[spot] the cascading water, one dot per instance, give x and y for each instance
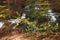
(53, 17)
(23, 16)
(17, 21)
(13, 21)
(1, 24)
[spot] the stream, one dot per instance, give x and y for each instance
(13, 21)
(19, 19)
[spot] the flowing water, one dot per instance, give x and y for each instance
(1, 24)
(13, 21)
(51, 15)
(18, 20)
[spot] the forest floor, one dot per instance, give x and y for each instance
(15, 35)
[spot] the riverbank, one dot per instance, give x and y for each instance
(16, 35)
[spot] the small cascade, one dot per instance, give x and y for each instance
(13, 21)
(23, 16)
(17, 20)
(52, 15)
(53, 19)
(1, 24)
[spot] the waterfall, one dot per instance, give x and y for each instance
(23, 16)
(1, 24)
(51, 14)
(53, 19)
(17, 20)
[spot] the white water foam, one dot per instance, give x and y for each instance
(1, 24)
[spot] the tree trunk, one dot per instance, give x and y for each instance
(14, 5)
(55, 5)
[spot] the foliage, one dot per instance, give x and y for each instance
(38, 15)
(33, 27)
